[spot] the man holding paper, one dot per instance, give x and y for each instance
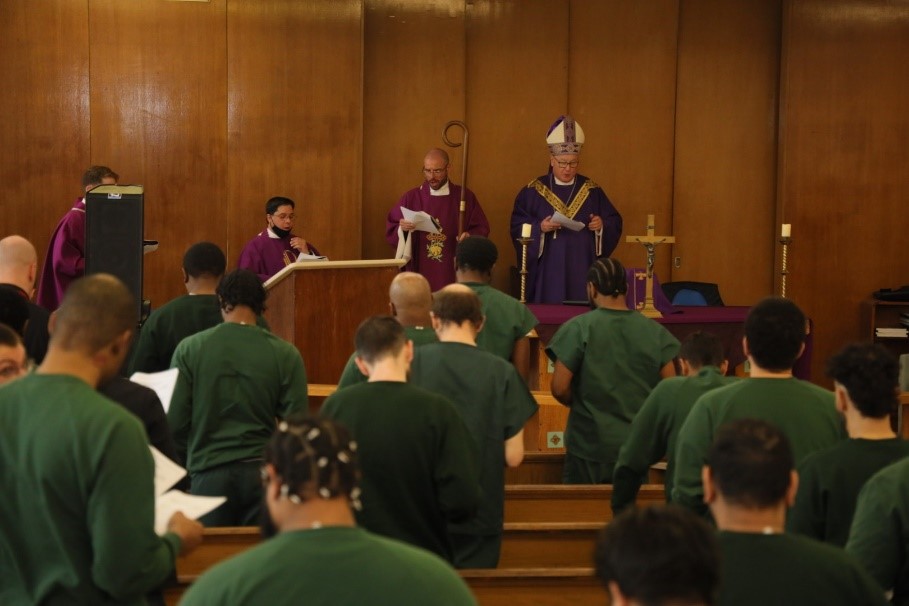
(275, 246)
(570, 221)
(423, 225)
(77, 517)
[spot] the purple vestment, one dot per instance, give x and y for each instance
(557, 262)
(65, 259)
(434, 254)
(266, 255)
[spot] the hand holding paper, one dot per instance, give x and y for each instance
(167, 503)
(564, 221)
(421, 220)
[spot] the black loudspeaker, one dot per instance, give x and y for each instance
(114, 222)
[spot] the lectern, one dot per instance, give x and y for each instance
(317, 306)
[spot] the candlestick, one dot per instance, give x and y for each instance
(524, 241)
(786, 231)
(784, 271)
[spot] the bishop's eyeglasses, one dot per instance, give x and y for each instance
(564, 164)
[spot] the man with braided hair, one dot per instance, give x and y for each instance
(606, 362)
(419, 469)
(319, 556)
(77, 517)
(235, 379)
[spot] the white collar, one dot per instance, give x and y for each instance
(558, 182)
(272, 234)
(442, 191)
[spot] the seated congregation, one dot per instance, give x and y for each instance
(778, 491)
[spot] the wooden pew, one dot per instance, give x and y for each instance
(569, 503)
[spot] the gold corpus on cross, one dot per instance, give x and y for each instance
(650, 241)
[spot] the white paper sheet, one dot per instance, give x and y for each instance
(163, 383)
(564, 221)
(422, 221)
(167, 473)
(191, 506)
(309, 257)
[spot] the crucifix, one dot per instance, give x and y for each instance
(650, 241)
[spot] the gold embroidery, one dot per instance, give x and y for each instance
(435, 244)
(557, 204)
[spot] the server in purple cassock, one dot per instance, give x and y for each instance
(275, 247)
(65, 258)
(557, 256)
(433, 255)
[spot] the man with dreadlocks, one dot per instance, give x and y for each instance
(319, 556)
(606, 362)
(235, 379)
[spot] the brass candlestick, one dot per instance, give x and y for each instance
(524, 242)
(783, 270)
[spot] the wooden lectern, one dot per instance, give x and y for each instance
(317, 306)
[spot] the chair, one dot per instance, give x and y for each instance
(693, 293)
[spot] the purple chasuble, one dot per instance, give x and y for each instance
(434, 254)
(65, 258)
(560, 272)
(265, 255)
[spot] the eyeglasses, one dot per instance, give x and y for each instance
(563, 164)
(434, 171)
(285, 217)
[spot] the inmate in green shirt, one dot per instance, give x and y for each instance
(507, 320)
(77, 513)
(351, 375)
(417, 461)
(615, 357)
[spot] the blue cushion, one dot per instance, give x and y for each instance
(686, 296)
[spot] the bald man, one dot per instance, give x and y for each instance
(432, 255)
(18, 268)
(77, 523)
(410, 302)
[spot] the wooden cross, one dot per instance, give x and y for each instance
(649, 242)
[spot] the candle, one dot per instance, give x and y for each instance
(786, 231)
(525, 230)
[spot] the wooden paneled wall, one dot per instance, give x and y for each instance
(724, 118)
(843, 155)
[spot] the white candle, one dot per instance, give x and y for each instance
(525, 230)
(786, 231)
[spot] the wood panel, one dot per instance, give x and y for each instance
(517, 84)
(622, 79)
(725, 146)
(158, 114)
(44, 133)
(844, 127)
(413, 85)
(294, 119)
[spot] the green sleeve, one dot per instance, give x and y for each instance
(527, 322)
(180, 412)
(568, 345)
(519, 402)
(808, 515)
(669, 346)
(457, 476)
(129, 559)
(876, 536)
(295, 393)
(694, 441)
(646, 444)
(351, 375)
(145, 358)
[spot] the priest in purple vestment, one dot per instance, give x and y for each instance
(433, 255)
(558, 257)
(275, 247)
(65, 259)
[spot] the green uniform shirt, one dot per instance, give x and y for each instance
(494, 403)
(879, 537)
(351, 375)
(234, 380)
(170, 324)
(829, 484)
(655, 430)
(802, 410)
(615, 357)
(331, 566)
(507, 320)
(781, 569)
(77, 513)
(417, 461)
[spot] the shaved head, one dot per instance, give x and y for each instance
(95, 310)
(410, 294)
(16, 251)
(437, 153)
